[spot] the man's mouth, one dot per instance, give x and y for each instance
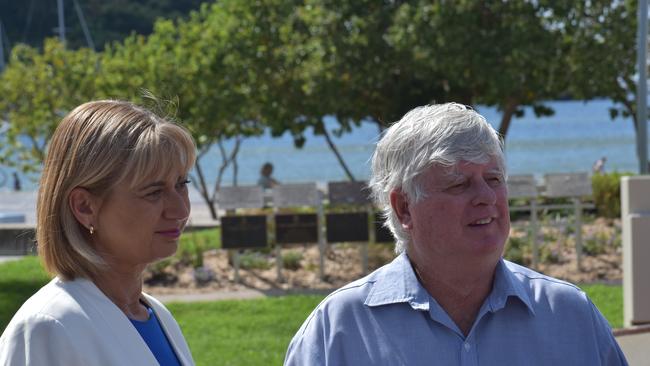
(483, 221)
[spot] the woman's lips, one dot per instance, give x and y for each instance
(174, 233)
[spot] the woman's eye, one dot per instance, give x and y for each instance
(154, 194)
(183, 184)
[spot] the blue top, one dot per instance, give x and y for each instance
(388, 318)
(152, 333)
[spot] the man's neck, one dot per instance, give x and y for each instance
(459, 289)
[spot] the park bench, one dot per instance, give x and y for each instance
(17, 239)
(242, 230)
(293, 225)
(295, 214)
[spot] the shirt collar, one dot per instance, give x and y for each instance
(506, 285)
(397, 283)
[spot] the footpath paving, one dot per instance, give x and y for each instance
(634, 342)
(9, 258)
(25, 203)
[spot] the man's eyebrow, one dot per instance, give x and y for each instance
(451, 175)
(495, 171)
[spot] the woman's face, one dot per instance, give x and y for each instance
(137, 226)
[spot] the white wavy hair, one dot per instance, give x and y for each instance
(442, 134)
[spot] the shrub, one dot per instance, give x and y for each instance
(291, 260)
(607, 193)
(517, 250)
(549, 253)
(253, 260)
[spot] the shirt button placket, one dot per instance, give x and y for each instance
(468, 354)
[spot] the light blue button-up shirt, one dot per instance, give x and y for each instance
(388, 318)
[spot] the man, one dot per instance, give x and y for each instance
(449, 298)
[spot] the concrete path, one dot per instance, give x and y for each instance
(237, 295)
(9, 258)
(25, 203)
(635, 343)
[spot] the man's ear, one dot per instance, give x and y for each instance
(400, 204)
(84, 206)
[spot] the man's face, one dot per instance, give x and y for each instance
(463, 216)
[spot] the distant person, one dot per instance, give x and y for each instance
(266, 180)
(449, 298)
(17, 185)
(112, 199)
(599, 166)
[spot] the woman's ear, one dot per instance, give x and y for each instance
(400, 204)
(84, 206)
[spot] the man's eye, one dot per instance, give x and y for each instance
(495, 181)
(457, 186)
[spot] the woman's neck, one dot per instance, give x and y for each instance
(124, 289)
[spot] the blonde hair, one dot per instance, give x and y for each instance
(96, 146)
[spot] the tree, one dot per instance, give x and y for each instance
(189, 62)
(333, 58)
(37, 90)
(501, 53)
(600, 38)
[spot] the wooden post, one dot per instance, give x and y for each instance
(371, 239)
(578, 231)
(235, 262)
(270, 232)
(278, 262)
(534, 227)
(322, 248)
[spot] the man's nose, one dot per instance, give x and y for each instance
(484, 194)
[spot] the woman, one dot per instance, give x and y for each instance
(112, 199)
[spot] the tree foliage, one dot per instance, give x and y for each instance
(37, 90)
(235, 67)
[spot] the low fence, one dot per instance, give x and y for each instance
(301, 214)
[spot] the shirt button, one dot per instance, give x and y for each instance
(467, 346)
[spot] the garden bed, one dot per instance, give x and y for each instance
(601, 262)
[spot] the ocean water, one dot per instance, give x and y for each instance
(570, 141)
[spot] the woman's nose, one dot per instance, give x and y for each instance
(177, 206)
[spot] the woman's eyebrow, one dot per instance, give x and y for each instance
(154, 184)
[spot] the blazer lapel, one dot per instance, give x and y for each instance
(170, 332)
(115, 326)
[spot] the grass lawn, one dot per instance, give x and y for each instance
(609, 300)
(244, 332)
(18, 281)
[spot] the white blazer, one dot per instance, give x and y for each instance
(74, 323)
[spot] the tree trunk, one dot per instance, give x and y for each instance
(332, 147)
(226, 160)
(508, 111)
(203, 190)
